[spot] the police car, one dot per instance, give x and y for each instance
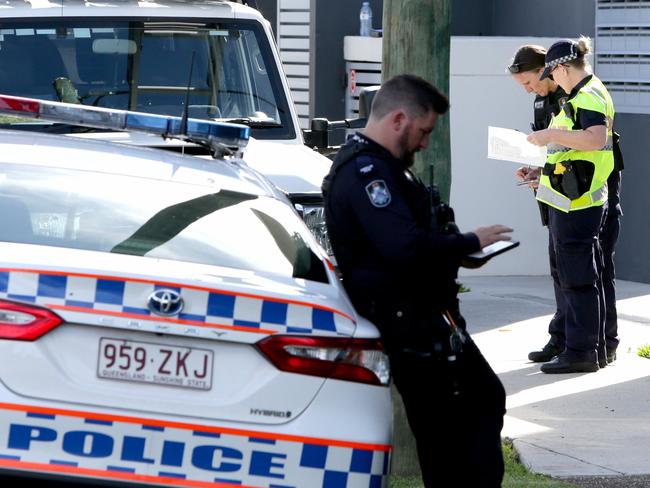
(147, 56)
(170, 320)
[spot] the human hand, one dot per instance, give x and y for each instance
(528, 174)
(540, 137)
(491, 234)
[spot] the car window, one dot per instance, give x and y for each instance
(148, 66)
(160, 219)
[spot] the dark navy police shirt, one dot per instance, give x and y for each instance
(378, 216)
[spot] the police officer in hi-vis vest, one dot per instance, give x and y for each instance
(526, 68)
(573, 184)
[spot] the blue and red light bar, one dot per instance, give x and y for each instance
(214, 134)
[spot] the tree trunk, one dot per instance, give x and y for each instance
(416, 41)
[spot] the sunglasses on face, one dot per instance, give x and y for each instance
(522, 67)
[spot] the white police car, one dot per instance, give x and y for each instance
(169, 320)
(145, 56)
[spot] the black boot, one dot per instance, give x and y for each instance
(548, 352)
(562, 364)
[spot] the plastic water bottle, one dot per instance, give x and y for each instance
(365, 19)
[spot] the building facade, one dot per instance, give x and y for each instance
(311, 32)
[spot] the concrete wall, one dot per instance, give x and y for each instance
(483, 191)
(269, 9)
(633, 251)
(550, 18)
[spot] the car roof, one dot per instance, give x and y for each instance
(126, 8)
(64, 152)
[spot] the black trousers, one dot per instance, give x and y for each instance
(557, 325)
(608, 236)
(578, 265)
(455, 410)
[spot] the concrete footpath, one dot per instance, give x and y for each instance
(592, 426)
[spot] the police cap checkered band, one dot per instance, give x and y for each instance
(561, 60)
(559, 53)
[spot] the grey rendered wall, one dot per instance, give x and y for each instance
(269, 9)
(528, 18)
(633, 252)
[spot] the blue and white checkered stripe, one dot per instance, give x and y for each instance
(201, 305)
(561, 60)
(185, 453)
(336, 467)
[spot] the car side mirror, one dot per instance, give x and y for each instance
(366, 97)
(318, 134)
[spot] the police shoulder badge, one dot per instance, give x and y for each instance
(378, 193)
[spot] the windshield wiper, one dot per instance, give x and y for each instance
(253, 122)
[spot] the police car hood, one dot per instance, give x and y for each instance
(290, 165)
(107, 297)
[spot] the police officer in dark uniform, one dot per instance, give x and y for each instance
(526, 68)
(399, 259)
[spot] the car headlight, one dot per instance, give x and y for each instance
(314, 217)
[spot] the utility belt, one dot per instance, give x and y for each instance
(570, 178)
(448, 352)
(413, 326)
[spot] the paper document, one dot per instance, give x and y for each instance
(511, 145)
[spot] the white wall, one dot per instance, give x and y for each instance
(483, 191)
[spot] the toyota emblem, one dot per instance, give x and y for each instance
(165, 302)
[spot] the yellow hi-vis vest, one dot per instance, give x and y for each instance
(592, 96)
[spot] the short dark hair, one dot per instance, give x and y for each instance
(411, 93)
(528, 58)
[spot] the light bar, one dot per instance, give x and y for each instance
(214, 134)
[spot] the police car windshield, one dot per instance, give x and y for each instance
(160, 219)
(144, 66)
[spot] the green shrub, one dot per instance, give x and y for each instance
(644, 351)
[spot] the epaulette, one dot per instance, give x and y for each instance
(365, 165)
(352, 147)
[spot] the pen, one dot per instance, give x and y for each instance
(526, 182)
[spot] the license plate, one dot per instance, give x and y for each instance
(160, 364)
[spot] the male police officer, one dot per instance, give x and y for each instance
(526, 69)
(399, 262)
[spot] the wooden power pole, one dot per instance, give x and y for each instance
(416, 40)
